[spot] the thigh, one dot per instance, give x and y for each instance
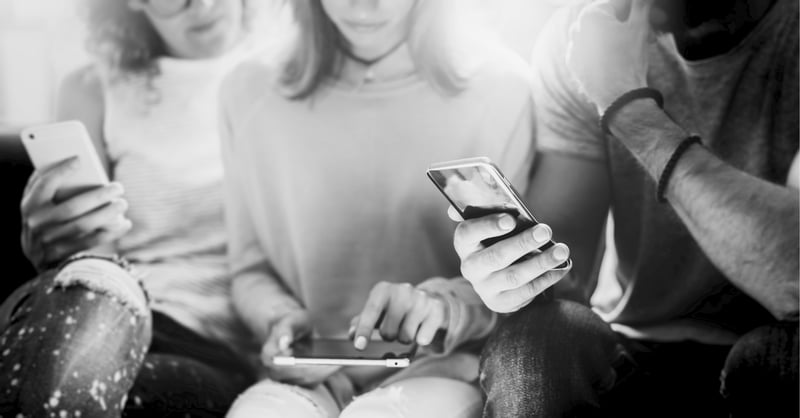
(434, 397)
(73, 341)
(184, 373)
(273, 399)
(761, 372)
(170, 385)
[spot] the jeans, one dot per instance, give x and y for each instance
(83, 342)
(560, 359)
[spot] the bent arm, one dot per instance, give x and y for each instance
(747, 226)
(259, 297)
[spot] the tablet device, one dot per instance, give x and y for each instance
(341, 352)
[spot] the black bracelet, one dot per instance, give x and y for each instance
(663, 180)
(640, 93)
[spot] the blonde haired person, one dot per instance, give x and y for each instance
(332, 223)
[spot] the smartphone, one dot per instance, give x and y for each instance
(341, 352)
(55, 142)
(476, 187)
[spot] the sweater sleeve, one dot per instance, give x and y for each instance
(259, 296)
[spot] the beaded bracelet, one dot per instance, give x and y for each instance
(616, 105)
(663, 179)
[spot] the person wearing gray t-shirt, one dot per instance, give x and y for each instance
(682, 118)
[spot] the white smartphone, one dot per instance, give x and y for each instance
(341, 352)
(55, 142)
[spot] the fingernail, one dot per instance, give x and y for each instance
(423, 341)
(560, 252)
(361, 342)
(284, 342)
(542, 233)
(506, 222)
(117, 188)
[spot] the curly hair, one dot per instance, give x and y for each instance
(125, 40)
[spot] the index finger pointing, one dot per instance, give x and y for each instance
(370, 315)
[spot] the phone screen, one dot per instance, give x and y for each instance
(478, 189)
(344, 349)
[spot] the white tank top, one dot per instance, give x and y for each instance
(163, 144)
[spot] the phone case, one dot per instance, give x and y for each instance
(49, 144)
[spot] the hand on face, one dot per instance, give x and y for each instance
(608, 57)
(293, 327)
(504, 287)
(400, 312)
(54, 231)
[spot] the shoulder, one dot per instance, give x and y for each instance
(503, 75)
(82, 87)
(250, 80)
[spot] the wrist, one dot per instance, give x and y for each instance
(648, 133)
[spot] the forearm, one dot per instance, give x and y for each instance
(748, 227)
(260, 302)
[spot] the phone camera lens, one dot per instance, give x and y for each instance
(31, 136)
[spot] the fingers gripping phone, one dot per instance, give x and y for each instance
(341, 352)
(476, 187)
(52, 143)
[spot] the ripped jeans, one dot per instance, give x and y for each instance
(560, 359)
(83, 342)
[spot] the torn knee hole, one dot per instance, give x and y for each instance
(100, 277)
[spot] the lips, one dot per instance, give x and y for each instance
(363, 27)
(206, 26)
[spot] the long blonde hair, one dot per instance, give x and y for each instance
(442, 46)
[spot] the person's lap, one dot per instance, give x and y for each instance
(441, 387)
(561, 358)
(89, 342)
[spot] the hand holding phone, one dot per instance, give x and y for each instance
(506, 254)
(68, 205)
(278, 351)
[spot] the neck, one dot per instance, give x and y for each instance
(708, 28)
(394, 64)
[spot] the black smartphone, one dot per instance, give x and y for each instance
(476, 187)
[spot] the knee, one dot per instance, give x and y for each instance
(419, 397)
(762, 369)
(100, 276)
(274, 399)
(548, 334)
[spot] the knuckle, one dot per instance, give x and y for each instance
(513, 278)
(468, 269)
(493, 256)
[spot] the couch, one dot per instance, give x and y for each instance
(15, 168)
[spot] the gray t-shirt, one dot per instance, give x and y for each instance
(745, 106)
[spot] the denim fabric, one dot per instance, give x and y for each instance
(560, 359)
(87, 348)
